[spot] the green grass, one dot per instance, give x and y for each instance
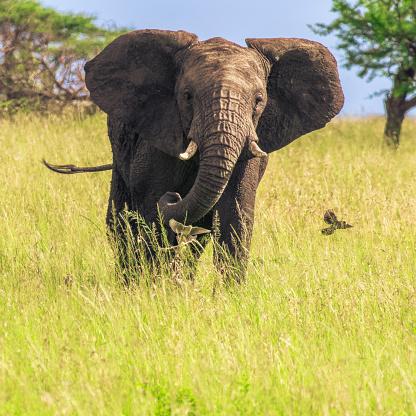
(324, 325)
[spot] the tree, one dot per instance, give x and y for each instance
(379, 36)
(42, 53)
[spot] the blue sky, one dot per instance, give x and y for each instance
(235, 20)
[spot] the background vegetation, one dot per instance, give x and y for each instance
(324, 325)
(379, 37)
(42, 55)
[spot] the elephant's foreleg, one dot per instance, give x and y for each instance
(235, 212)
(118, 224)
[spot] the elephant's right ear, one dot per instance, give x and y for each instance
(133, 80)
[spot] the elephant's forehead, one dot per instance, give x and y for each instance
(218, 57)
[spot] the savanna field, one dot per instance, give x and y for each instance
(323, 325)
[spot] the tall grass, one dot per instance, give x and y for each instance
(324, 324)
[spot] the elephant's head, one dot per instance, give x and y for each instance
(226, 101)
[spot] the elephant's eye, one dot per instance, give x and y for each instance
(257, 104)
(258, 100)
(187, 96)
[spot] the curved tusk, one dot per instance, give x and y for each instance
(255, 150)
(189, 152)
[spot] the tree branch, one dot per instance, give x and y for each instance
(60, 86)
(408, 104)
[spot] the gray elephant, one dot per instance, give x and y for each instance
(191, 123)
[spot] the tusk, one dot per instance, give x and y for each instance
(189, 152)
(255, 150)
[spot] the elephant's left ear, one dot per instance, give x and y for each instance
(304, 91)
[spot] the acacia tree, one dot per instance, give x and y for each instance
(42, 53)
(379, 36)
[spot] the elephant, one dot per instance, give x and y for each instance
(191, 123)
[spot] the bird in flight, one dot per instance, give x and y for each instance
(331, 219)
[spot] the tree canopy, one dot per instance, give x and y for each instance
(379, 36)
(42, 53)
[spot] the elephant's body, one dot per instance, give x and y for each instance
(142, 175)
(191, 122)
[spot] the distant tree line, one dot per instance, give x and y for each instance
(379, 36)
(42, 54)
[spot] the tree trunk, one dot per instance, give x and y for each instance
(395, 115)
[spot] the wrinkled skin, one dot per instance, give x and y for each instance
(162, 90)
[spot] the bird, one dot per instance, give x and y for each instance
(331, 219)
(186, 233)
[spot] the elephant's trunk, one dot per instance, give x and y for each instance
(219, 147)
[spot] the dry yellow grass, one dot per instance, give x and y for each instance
(324, 325)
